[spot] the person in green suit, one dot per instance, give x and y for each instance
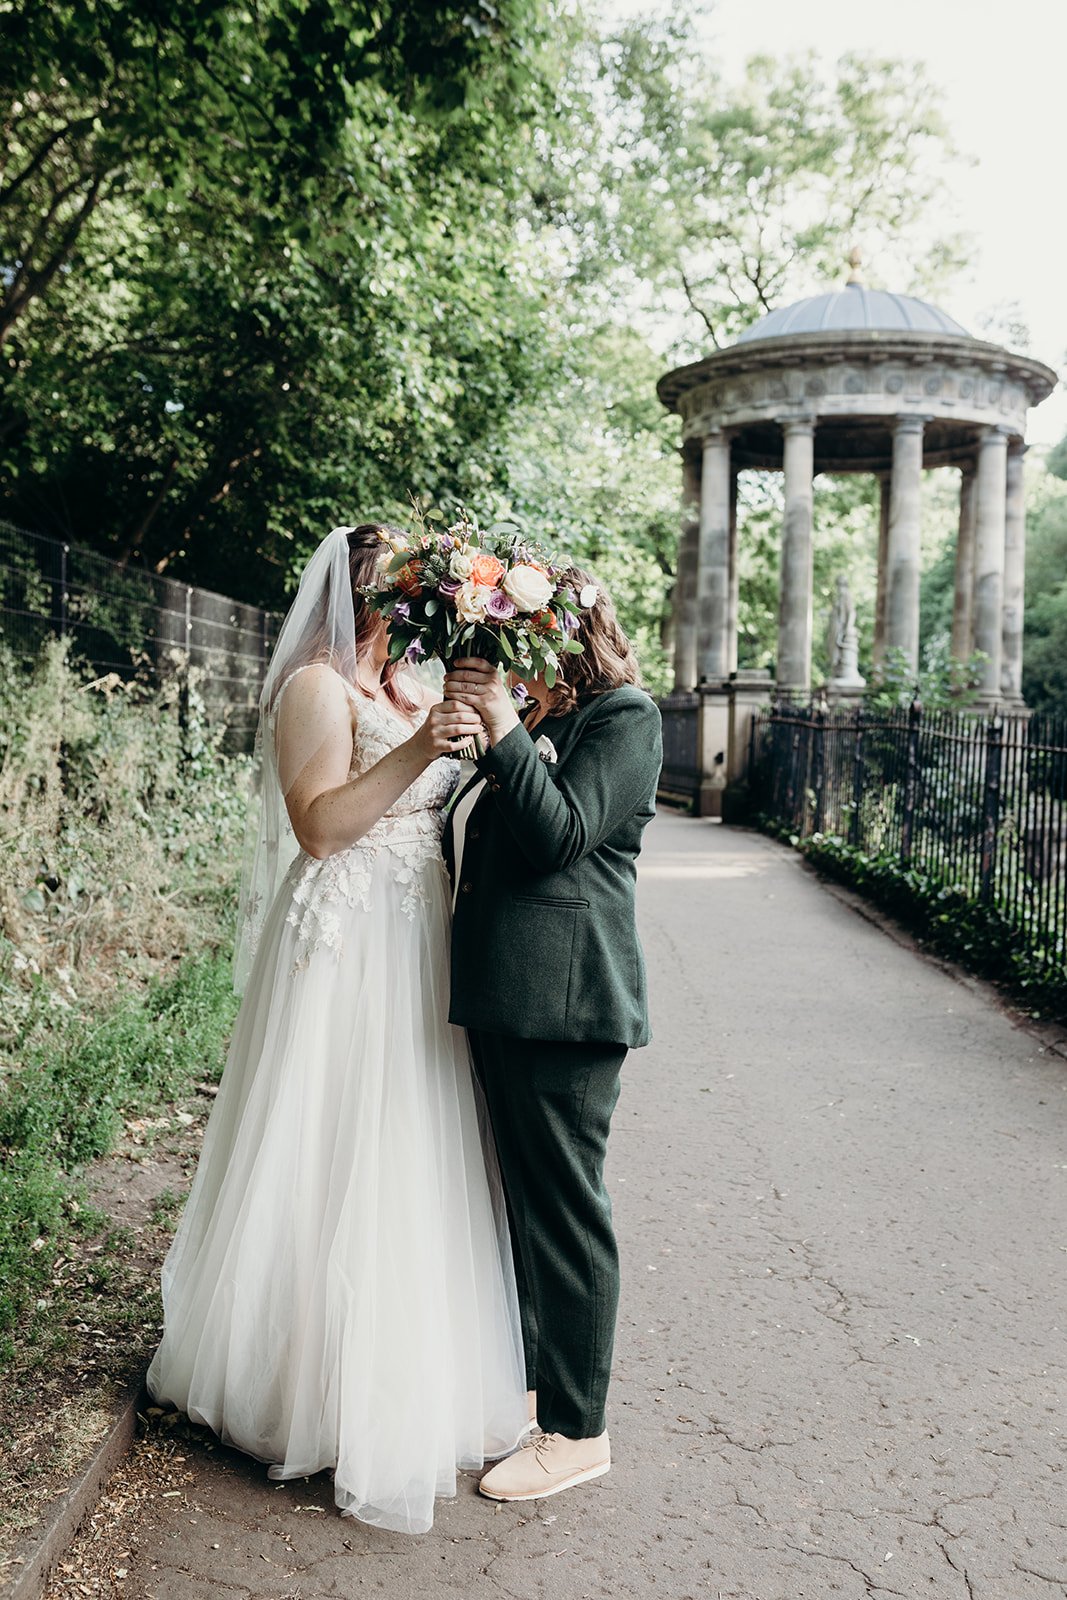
(549, 980)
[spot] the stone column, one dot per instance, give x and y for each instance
(685, 581)
(713, 578)
(1014, 574)
(795, 598)
(878, 651)
(990, 517)
(903, 545)
(963, 597)
(734, 601)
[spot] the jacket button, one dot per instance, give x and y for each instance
(472, 833)
(466, 887)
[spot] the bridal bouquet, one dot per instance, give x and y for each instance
(464, 591)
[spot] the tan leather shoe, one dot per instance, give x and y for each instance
(547, 1464)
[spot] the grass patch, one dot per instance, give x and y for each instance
(66, 1104)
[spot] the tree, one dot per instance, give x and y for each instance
(301, 306)
(746, 197)
(1045, 612)
(338, 254)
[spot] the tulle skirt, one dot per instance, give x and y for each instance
(340, 1292)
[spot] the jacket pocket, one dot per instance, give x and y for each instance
(550, 900)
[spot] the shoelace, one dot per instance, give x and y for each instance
(541, 1443)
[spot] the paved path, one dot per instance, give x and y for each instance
(839, 1183)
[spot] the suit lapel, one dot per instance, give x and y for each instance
(448, 837)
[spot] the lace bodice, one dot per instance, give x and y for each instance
(380, 729)
(407, 838)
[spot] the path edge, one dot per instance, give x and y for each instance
(53, 1537)
(1052, 1036)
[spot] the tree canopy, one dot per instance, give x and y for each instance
(264, 270)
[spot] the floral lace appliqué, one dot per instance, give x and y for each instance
(407, 837)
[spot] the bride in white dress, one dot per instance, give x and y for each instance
(340, 1292)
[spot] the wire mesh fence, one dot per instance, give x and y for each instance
(976, 804)
(125, 620)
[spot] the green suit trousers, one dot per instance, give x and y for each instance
(550, 1103)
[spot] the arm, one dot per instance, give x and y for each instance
(611, 770)
(328, 810)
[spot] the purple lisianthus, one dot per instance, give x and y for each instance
(520, 694)
(448, 587)
(401, 611)
(499, 606)
(414, 652)
(569, 621)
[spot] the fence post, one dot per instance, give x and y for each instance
(991, 804)
(186, 668)
(857, 782)
(791, 779)
(818, 767)
(911, 780)
(60, 593)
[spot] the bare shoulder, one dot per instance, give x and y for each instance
(311, 690)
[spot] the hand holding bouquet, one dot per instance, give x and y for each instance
(464, 591)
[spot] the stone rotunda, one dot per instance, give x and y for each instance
(855, 380)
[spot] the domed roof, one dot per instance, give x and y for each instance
(853, 308)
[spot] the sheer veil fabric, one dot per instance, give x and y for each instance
(340, 1293)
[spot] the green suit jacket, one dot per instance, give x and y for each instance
(544, 940)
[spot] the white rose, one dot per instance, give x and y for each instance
(529, 588)
(470, 601)
(461, 564)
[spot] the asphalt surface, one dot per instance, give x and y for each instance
(839, 1180)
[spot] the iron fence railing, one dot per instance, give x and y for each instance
(977, 804)
(680, 774)
(125, 620)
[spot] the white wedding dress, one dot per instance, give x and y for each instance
(340, 1292)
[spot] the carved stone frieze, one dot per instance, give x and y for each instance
(877, 388)
(871, 378)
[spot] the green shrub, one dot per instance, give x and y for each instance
(77, 1081)
(121, 825)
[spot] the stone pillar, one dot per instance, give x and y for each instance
(795, 598)
(878, 651)
(713, 578)
(903, 544)
(735, 597)
(963, 598)
(991, 493)
(685, 581)
(1014, 574)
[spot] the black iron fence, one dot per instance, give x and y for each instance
(680, 776)
(125, 620)
(975, 804)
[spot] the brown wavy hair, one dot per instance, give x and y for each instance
(364, 552)
(608, 659)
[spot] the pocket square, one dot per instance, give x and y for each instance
(546, 749)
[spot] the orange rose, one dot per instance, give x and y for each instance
(407, 578)
(486, 569)
(546, 619)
